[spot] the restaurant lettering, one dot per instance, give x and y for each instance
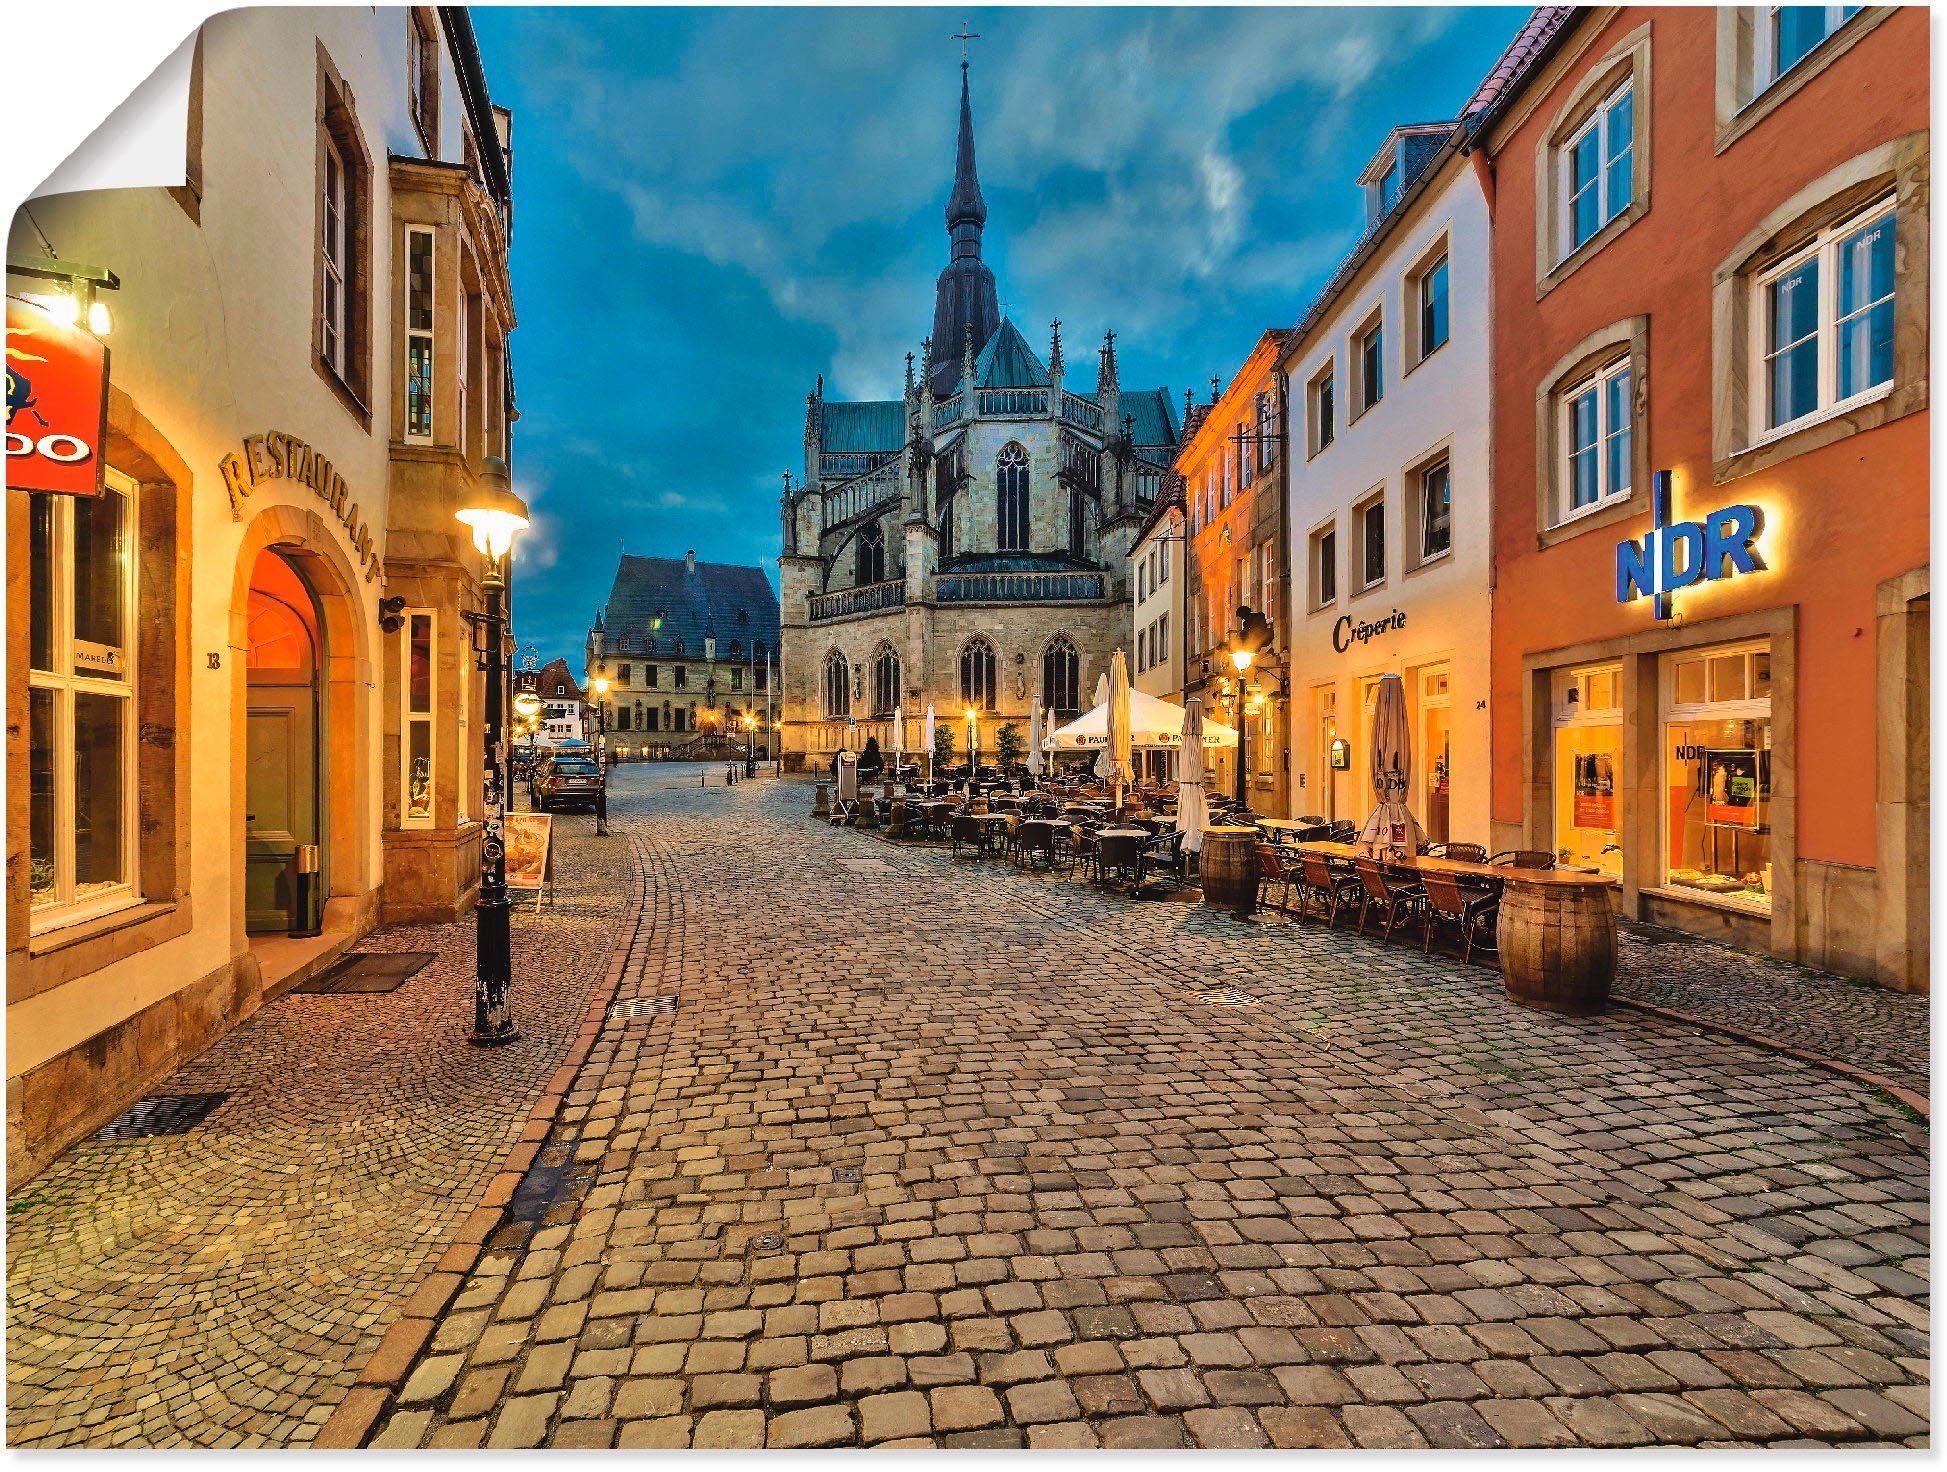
(278, 456)
(1348, 631)
(57, 404)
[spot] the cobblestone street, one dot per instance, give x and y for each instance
(877, 1146)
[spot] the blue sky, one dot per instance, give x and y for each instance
(713, 206)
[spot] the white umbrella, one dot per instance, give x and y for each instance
(1155, 724)
(1102, 704)
(1192, 807)
(898, 739)
(1392, 825)
(1034, 738)
(1047, 739)
(1119, 746)
(929, 722)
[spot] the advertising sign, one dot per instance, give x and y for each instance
(529, 849)
(1731, 787)
(57, 404)
(1595, 792)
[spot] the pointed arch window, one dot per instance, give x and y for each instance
(885, 681)
(871, 557)
(1061, 679)
(977, 685)
(946, 532)
(1011, 491)
(1077, 527)
(838, 687)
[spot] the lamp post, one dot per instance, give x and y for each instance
(1253, 634)
(495, 514)
(599, 685)
(750, 743)
(973, 749)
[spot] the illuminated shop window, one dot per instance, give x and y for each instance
(1717, 773)
(1588, 768)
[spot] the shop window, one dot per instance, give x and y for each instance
(1588, 768)
(1717, 774)
(1826, 318)
(419, 333)
(416, 721)
(1436, 752)
(81, 707)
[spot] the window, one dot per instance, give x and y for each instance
(1588, 768)
(341, 329)
(1163, 563)
(622, 674)
(736, 677)
(1325, 567)
(1230, 476)
(1431, 288)
(1161, 642)
(1826, 315)
(1011, 489)
(1370, 521)
(1369, 364)
(946, 532)
(871, 557)
(682, 672)
(1436, 511)
(1597, 162)
(1597, 436)
(1389, 184)
(416, 721)
(977, 684)
(622, 718)
(422, 76)
(419, 333)
(463, 364)
(650, 674)
(1320, 394)
(1061, 677)
(885, 681)
(1787, 34)
(1142, 650)
(1717, 773)
(82, 796)
(652, 713)
(335, 258)
(1142, 581)
(1266, 430)
(838, 687)
(1077, 527)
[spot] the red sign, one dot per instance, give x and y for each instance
(57, 404)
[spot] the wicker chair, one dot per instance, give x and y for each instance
(1399, 898)
(1274, 868)
(1328, 885)
(1525, 858)
(971, 831)
(1472, 913)
(1034, 837)
(1466, 853)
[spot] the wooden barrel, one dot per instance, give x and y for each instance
(1230, 870)
(1558, 946)
(821, 806)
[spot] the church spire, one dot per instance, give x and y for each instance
(966, 302)
(966, 211)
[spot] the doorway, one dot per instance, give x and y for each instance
(283, 762)
(1436, 752)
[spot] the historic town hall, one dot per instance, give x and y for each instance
(966, 546)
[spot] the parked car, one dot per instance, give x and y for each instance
(565, 782)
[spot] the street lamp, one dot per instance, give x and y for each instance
(750, 743)
(973, 749)
(1253, 633)
(600, 686)
(495, 515)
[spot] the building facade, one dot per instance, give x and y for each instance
(562, 714)
(1233, 468)
(1711, 471)
(1157, 581)
(240, 731)
(966, 546)
(689, 651)
(1388, 493)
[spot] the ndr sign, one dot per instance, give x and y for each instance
(1680, 554)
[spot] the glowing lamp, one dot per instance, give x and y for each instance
(1242, 659)
(528, 704)
(495, 513)
(98, 319)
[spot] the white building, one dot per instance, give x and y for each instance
(563, 716)
(1156, 582)
(1389, 493)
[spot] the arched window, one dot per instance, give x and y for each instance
(736, 649)
(871, 566)
(885, 681)
(1077, 523)
(1011, 489)
(946, 532)
(977, 685)
(838, 687)
(1061, 677)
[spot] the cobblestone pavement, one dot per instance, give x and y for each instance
(223, 1287)
(1853, 1021)
(898, 1150)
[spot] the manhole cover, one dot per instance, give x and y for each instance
(368, 971)
(641, 1007)
(768, 1241)
(847, 1173)
(1228, 996)
(165, 1114)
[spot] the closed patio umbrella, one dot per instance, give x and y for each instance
(898, 740)
(1392, 825)
(1120, 746)
(1102, 757)
(1034, 738)
(1192, 807)
(928, 734)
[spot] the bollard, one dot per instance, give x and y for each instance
(306, 862)
(822, 806)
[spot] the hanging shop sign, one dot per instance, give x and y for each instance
(1341, 754)
(57, 403)
(278, 456)
(1679, 554)
(1349, 631)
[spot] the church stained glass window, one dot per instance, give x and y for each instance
(1011, 488)
(1061, 678)
(838, 687)
(885, 681)
(977, 674)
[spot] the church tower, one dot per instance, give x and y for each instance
(965, 302)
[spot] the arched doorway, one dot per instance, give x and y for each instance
(284, 757)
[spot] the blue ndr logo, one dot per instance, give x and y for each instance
(1678, 555)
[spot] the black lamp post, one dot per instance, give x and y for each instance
(495, 515)
(1253, 633)
(598, 687)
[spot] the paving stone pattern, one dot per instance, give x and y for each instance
(1835, 1016)
(935, 1152)
(223, 1287)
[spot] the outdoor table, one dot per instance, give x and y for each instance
(1230, 869)
(1290, 830)
(1556, 933)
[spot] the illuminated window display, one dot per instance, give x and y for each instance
(1588, 769)
(1717, 773)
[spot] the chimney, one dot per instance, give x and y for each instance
(689, 562)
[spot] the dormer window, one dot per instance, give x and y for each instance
(1389, 185)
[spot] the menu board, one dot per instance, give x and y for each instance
(529, 849)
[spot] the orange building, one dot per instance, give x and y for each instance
(1711, 469)
(1233, 485)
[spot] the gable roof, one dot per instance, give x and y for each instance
(870, 426)
(553, 673)
(657, 601)
(1536, 35)
(1171, 498)
(1008, 362)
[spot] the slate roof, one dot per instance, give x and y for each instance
(555, 672)
(1008, 361)
(661, 599)
(1172, 497)
(869, 427)
(1154, 413)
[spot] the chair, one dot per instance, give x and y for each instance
(970, 830)
(1164, 852)
(1525, 858)
(1344, 831)
(1118, 854)
(1472, 913)
(1466, 853)
(1314, 820)
(1398, 897)
(1328, 885)
(1272, 869)
(1082, 848)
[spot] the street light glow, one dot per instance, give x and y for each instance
(495, 513)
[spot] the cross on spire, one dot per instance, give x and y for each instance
(963, 36)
